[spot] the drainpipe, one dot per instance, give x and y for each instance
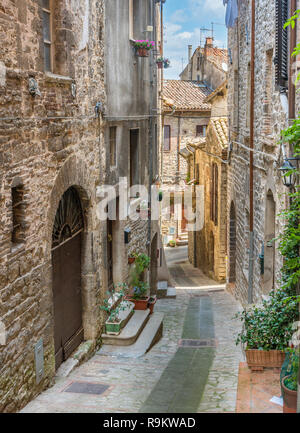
(252, 89)
(177, 179)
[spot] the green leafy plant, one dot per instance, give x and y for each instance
(291, 382)
(270, 325)
(172, 243)
(113, 312)
(140, 288)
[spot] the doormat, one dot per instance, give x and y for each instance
(196, 344)
(87, 388)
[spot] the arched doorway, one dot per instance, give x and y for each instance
(269, 247)
(232, 244)
(66, 275)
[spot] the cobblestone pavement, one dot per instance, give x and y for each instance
(168, 378)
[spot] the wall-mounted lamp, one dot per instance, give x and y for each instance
(287, 173)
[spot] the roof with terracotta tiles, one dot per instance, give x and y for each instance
(185, 95)
(220, 126)
(215, 55)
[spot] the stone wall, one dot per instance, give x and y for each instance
(270, 118)
(49, 142)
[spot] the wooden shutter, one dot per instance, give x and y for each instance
(216, 194)
(212, 194)
(167, 138)
(282, 51)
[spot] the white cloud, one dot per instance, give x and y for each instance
(179, 16)
(215, 6)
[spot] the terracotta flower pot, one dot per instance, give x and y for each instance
(159, 65)
(289, 398)
(260, 359)
(139, 304)
(151, 303)
(143, 52)
(131, 260)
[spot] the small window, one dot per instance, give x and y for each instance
(113, 145)
(200, 130)
(47, 33)
(17, 196)
(167, 138)
(134, 157)
(198, 63)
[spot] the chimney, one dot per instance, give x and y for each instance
(208, 46)
(209, 42)
(190, 47)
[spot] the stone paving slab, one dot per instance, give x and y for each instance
(132, 381)
(255, 389)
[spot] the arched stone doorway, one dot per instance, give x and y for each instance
(232, 244)
(66, 275)
(269, 247)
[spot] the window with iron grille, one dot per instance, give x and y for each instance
(282, 51)
(47, 33)
(17, 197)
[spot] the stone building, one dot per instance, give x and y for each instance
(63, 109)
(184, 114)
(207, 165)
(272, 87)
(207, 64)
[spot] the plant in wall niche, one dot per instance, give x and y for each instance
(172, 243)
(138, 286)
(113, 306)
(143, 47)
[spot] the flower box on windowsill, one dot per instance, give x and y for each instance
(142, 52)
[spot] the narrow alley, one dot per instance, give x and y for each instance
(173, 377)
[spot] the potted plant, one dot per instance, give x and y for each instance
(268, 329)
(166, 63)
(131, 260)
(143, 47)
(138, 285)
(289, 384)
(160, 62)
(113, 307)
(172, 243)
(151, 303)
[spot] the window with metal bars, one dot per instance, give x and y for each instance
(17, 197)
(47, 33)
(282, 50)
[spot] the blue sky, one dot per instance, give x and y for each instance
(182, 22)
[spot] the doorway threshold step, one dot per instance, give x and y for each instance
(150, 335)
(130, 332)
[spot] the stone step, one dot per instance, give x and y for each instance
(125, 315)
(181, 242)
(162, 285)
(130, 332)
(150, 335)
(169, 293)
